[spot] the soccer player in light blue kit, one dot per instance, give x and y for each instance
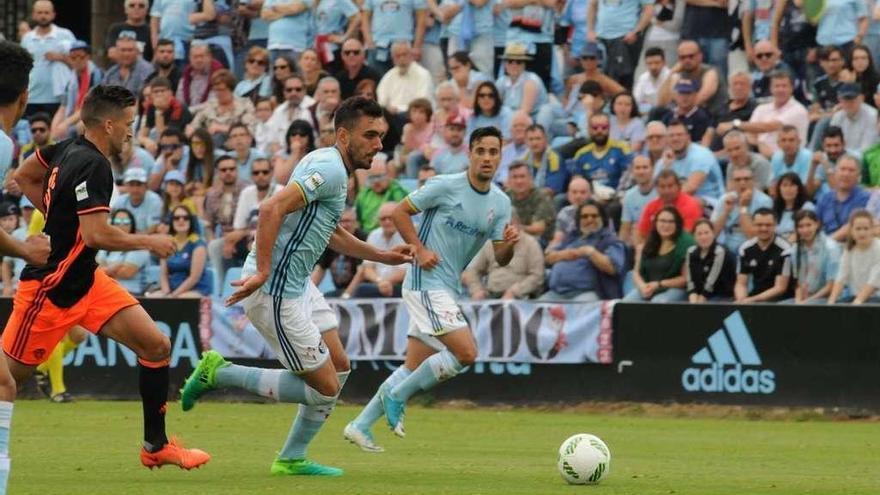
(294, 227)
(460, 213)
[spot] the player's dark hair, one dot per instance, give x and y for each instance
(354, 108)
(655, 51)
(483, 132)
(16, 63)
(105, 102)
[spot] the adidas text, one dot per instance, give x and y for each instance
(731, 379)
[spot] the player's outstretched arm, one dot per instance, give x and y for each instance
(30, 175)
(97, 233)
(344, 242)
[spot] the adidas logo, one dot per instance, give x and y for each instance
(729, 363)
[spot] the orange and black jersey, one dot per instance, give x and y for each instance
(78, 181)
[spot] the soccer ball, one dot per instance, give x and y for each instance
(584, 459)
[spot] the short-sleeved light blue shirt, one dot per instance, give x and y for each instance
(457, 221)
(147, 214)
(699, 159)
(483, 19)
(48, 79)
(839, 23)
(323, 179)
(531, 15)
(331, 16)
(393, 20)
(290, 32)
(801, 165)
(615, 18)
(634, 203)
(174, 18)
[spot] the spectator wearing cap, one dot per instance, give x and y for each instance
(39, 124)
(712, 94)
(533, 206)
(856, 119)
(603, 161)
(768, 118)
(685, 109)
(196, 81)
(135, 22)
(694, 164)
(85, 75)
(522, 90)
(591, 71)
(522, 278)
(732, 217)
(163, 112)
(378, 188)
(170, 20)
(130, 71)
(549, 171)
(174, 194)
(49, 44)
(221, 202)
(835, 206)
(649, 82)
(452, 156)
(405, 82)
(532, 25)
(127, 267)
(219, 113)
(620, 27)
(145, 205)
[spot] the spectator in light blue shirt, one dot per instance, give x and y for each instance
(290, 23)
(843, 23)
(48, 44)
(471, 30)
(146, 206)
(171, 19)
(387, 21)
(532, 25)
(790, 157)
(620, 25)
(337, 20)
(452, 157)
(732, 217)
(835, 206)
(694, 164)
(127, 267)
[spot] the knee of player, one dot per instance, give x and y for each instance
(158, 350)
(467, 356)
(329, 389)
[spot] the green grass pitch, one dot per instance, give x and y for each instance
(91, 448)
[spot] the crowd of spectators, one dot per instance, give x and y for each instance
(654, 151)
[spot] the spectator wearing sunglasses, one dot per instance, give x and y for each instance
(244, 224)
(256, 82)
(163, 112)
(295, 107)
(354, 68)
(145, 205)
(184, 273)
(221, 202)
(135, 22)
(127, 267)
(40, 138)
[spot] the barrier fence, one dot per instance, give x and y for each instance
(726, 354)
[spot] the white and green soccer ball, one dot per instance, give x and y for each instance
(584, 459)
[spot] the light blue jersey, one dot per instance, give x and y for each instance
(483, 19)
(699, 159)
(290, 32)
(331, 16)
(531, 24)
(634, 202)
(7, 152)
(305, 233)
(48, 80)
(393, 20)
(174, 18)
(457, 222)
(615, 18)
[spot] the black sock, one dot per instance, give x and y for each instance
(153, 384)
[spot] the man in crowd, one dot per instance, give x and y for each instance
(49, 45)
(195, 81)
(732, 218)
(522, 278)
(514, 149)
(764, 263)
(40, 125)
(769, 117)
(131, 71)
(165, 65)
(578, 191)
(547, 168)
(820, 177)
(835, 206)
(354, 68)
(856, 119)
(736, 147)
(739, 109)
(669, 193)
(649, 83)
(85, 76)
(241, 143)
(327, 99)
(244, 225)
(452, 156)
(295, 107)
(405, 82)
(145, 205)
(790, 155)
(694, 164)
(532, 205)
(637, 197)
(380, 187)
(136, 23)
(169, 20)
(377, 279)
(221, 202)
(685, 109)
(604, 160)
(713, 87)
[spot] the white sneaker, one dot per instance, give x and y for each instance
(362, 439)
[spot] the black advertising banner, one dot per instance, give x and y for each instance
(100, 367)
(748, 354)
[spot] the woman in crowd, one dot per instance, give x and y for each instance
(489, 110)
(311, 70)
(127, 267)
(588, 264)
(626, 125)
(710, 267)
(224, 109)
(300, 141)
(256, 82)
(815, 259)
(859, 271)
(861, 71)
(174, 195)
(465, 76)
(282, 68)
(522, 90)
(659, 274)
(790, 197)
(417, 133)
(200, 169)
(183, 274)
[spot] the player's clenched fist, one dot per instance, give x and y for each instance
(162, 245)
(37, 249)
(426, 258)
